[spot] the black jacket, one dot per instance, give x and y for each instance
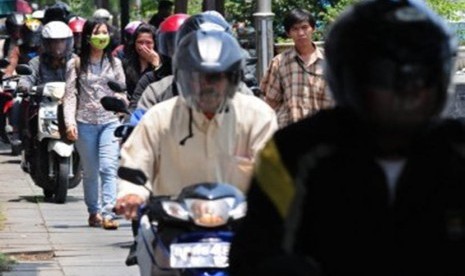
(321, 176)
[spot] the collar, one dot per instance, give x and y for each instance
(316, 55)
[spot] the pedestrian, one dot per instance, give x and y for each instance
(90, 125)
(140, 56)
(374, 186)
(293, 84)
(165, 9)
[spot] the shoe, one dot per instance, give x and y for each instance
(110, 224)
(132, 257)
(95, 220)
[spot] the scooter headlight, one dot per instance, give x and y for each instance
(174, 209)
(209, 213)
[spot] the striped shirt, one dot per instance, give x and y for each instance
(293, 89)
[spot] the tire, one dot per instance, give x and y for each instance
(61, 178)
(77, 170)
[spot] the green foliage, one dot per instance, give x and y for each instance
(5, 262)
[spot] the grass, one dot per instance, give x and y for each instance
(5, 261)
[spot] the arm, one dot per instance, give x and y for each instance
(140, 151)
(13, 59)
(70, 99)
(29, 81)
(271, 85)
(142, 84)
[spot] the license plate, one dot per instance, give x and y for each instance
(203, 254)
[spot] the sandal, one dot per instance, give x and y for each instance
(95, 220)
(110, 224)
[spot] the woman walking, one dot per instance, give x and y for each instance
(90, 125)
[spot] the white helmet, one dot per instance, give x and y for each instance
(56, 30)
(53, 34)
(102, 14)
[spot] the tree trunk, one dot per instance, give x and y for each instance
(217, 5)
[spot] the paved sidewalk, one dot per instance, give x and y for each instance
(52, 239)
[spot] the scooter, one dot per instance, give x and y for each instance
(54, 165)
(8, 97)
(193, 231)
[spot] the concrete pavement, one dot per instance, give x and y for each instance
(51, 239)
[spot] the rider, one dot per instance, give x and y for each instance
(28, 47)
(129, 31)
(208, 122)
(13, 23)
(164, 88)
(49, 66)
(374, 186)
(166, 35)
(76, 24)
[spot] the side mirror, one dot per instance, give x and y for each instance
(23, 70)
(135, 176)
(114, 104)
(117, 86)
(4, 63)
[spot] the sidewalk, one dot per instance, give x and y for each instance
(52, 239)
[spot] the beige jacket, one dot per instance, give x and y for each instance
(221, 150)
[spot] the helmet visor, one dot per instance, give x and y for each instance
(206, 92)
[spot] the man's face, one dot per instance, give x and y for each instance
(301, 33)
(58, 47)
(401, 110)
(210, 91)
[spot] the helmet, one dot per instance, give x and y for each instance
(102, 15)
(76, 24)
(58, 39)
(167, 33)
(207, 67)
(399, 45)
(204, 21)
(38, 14)
(31, 32)
(130, 29)
(57, 12)
(13, 23)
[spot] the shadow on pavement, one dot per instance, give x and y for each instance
(16, 161)
(40, 198)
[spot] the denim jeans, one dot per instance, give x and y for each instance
(99, 151)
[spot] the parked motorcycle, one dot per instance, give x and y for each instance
(52, 162)
(194, 230)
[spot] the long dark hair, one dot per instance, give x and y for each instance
(89, 27)
(131, 62)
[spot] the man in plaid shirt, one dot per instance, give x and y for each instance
(293, 85)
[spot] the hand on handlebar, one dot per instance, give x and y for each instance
(128, 206)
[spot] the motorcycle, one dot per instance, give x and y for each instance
(8, 97)
(193, 231)
(53, 163)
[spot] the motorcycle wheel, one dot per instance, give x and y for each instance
(77, 170)
(61, 178)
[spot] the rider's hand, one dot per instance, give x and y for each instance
(71, 133)
(128, 206)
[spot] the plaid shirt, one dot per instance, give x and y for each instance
(292, 91)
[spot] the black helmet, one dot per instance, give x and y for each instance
(31, 33)
(207, 67)
(13, 22)
(205, 21)
(390, 46)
